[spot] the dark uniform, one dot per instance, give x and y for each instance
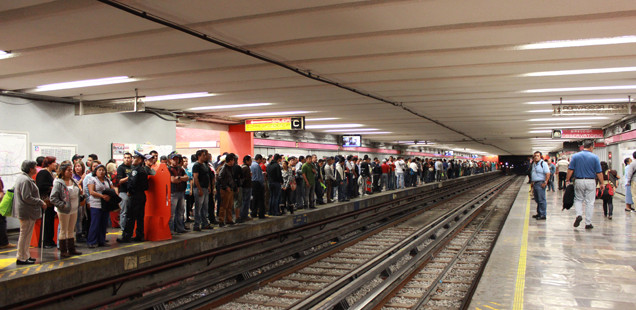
(137, 186)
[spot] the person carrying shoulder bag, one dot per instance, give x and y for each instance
(66, 197)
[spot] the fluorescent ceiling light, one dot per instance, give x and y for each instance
(540, 111)
(177, 96)
(274, 113)
(321, 119)
(540, 131)
(351, 130)
(85, 83)
(581, 71)
(561, 119)
(568, 89)
(607, 100)
(558, 127)
(5, 54)
(578, 43)
(377, 133)
(229, 106)
(333, 126)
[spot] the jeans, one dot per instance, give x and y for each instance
(551, 183)
(391, 180)
(384, 178)
(201, 208)
(309, 196)
(329, 184)
(562, 176)
(585, 191)
(300, 192)
(177, 209)
(341, 191)
(97, 230)
(124, 209)
(286, 200)
(539, 197)
(399, 176)
(4, 240)
(274, 198)
(136, 215)
(259, 199)
(608, 204)
(246, 202)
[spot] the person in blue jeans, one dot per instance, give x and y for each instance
(552, 172)
(539, 177)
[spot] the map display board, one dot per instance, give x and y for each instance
(13, 151)
(61, 152)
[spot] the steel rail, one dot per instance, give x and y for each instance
(228, 293)
(334, 294)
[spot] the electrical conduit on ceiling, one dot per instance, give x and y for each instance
(305, 73)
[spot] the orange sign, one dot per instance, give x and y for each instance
(273, 124)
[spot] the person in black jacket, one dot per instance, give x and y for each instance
(137, 187)
(44, 181)
(275, 179)
(227, 187)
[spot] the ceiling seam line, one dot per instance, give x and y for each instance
(305, 73)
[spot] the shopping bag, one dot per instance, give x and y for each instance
(6, 206)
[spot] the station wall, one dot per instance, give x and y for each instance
(56, 123)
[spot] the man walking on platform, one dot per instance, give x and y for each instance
(562, 171)
(586, 167)
(540, 176)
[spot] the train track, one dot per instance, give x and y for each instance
(341, 274)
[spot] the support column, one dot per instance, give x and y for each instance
(237, 141)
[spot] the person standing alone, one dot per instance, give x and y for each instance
(586, 167)
(562, 171)
(539, 176)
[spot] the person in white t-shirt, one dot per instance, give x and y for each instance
(413, 170)
(400, 165)
(562, 171)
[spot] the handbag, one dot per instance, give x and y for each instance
(6, 206)
(292, 185)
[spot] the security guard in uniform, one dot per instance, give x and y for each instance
(137, 186)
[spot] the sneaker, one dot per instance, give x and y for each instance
(535, 216)
(589, 226)
(578, 220)
(24, 262)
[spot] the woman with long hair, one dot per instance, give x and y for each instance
(99, 217)
(65, 196)
(610, 178)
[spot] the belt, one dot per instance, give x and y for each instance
(586, 178)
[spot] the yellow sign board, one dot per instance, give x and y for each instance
(273, 124)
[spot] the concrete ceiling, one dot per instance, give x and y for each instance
(454, 65)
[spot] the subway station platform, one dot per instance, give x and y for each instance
(552, 265)
(53, 275)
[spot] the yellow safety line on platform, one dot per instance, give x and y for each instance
(489, 307)
(521, 269)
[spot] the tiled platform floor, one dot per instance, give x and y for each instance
(564, 267)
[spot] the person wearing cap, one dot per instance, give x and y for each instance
(76, 158)
(201, 190)
(150, 163)
(178, 184)
(137, 187)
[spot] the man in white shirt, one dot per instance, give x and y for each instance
(439, 167)
(562, 171)
(414, 171)
(400, 165)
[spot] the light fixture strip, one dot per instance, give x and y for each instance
(85, 83)
(351, 130)
(572, 89)
(229, 106)
(562, 119)
(581, 71)
(333, 126)
(578, 43)
(606, 100)
(177, 96)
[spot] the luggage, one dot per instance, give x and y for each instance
(568, 197)
(6, 206)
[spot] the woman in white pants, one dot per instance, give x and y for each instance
(65, 196)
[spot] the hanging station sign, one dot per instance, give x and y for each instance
(274, 124)
(594, 109)
(577, 134)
